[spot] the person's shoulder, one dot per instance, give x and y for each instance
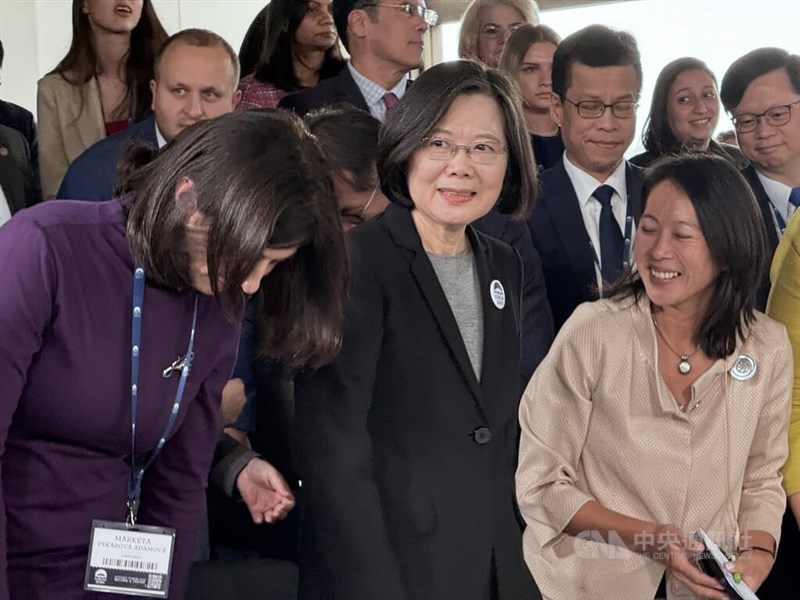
(54, 81)
(325, 92)
(56, 214)
(15, 116)
(643, 160)
(766, 334)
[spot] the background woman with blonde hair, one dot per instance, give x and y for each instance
(528, 60)
(100, 86)
(487, 25)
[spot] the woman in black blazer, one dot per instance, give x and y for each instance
(407, 444)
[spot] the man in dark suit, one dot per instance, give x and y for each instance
(583, 224)
(18, 184)
(384, 42)
(196, 74)
(16, 117)
(761, 92)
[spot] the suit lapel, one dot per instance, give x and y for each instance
(349, 91)
(404, 233)
(565, 213)
(764, 204)
(634, 180)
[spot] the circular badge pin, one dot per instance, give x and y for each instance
(497, 293)
(744, 367)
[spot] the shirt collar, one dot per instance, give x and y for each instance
(585, 185)
(160, 138)
(372, 92)
(778, 193)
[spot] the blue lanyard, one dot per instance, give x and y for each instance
(778, 219)
(135, 483)
(626, 245)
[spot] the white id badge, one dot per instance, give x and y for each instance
(131, 560)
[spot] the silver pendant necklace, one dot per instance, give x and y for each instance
(684, 366)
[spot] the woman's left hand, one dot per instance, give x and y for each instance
(753, 566)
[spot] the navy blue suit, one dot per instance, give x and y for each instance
(335, 90)
(560, 237)
(93, 175)
(537, 320)
(16, 117)
(770, 233)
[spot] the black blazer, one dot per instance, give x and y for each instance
(16, 173)
(407, 460)
(559, 235)
(341, 88)
(537, 320)
(16, 117)
(771, 235)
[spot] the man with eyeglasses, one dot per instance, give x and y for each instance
(761, 92)
(584, 222)
(385, 40)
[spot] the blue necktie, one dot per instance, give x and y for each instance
(794, 201)
(611, 243)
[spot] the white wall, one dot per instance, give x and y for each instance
(36, 34)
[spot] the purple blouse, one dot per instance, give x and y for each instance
(65, 338)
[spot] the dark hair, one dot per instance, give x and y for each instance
(753, 65)
(253, 42)
(734, 231)
(199, 38)
(424, 105)
(520, 42)
(349, 140)
(260, 180)
(2, 54)
(594, 46)
(342, 10)
(81, 63)
(275, 64)
(658, 136)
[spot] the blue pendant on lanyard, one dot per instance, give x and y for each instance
(778, 219)
(135, 483)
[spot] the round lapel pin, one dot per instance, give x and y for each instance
(498, 294)
(744, 367)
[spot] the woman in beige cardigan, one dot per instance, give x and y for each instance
(662, 409)
(100, 85)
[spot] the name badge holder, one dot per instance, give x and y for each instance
(128, 558)
(626, 245)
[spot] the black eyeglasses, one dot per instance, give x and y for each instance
(775, 116)
(430, 16)
(594, 109)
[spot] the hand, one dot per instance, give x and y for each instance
(753, 566)
(264, 491)
(675, 550)
(233, 400)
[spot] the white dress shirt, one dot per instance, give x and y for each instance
(373, 93)
(584, 186)
(778, 194)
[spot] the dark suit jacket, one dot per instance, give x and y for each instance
(334, 90)
(560, 237)
(93, 175)
(16, 117)
(770, 233)
(407, 460)
(537, 320)
(16, 173)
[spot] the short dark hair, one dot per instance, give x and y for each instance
(200, 38)
(753, 65)
(276, 62)
(2, 54)
(658, 136)
(342, 10)
(424, 105)
(260, 180)
(349, 140)
(734, 231)
(594, 46)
